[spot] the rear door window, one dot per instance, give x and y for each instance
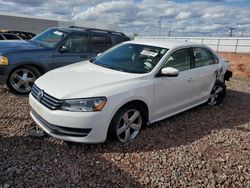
(202, 57)
(100, 43)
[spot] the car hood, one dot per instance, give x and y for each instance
(84, 79)
(16, 45)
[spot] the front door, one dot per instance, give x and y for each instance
(173, 94)
(74, 49)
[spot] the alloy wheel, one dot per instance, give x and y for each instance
(215, 95)
(129, 125)
(22, 80)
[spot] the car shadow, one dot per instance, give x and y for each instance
(27, 162)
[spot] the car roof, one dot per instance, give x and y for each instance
(86, 29)
(169, 44)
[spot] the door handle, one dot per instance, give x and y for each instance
(190, 79)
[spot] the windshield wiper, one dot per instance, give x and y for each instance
(137, 72)
(110, 67)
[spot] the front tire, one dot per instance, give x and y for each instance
(217, 94)
(22, 78)
(126, 124)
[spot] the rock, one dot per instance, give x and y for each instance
(12, 169)
(6, 185)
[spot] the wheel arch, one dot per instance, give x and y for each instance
(39, 67)
(142, 105)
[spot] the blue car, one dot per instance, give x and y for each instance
(22, 62)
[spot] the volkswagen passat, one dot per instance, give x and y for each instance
(128, 86)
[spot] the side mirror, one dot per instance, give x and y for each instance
(63, 49)
(169, 72)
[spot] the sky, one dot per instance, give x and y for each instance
(179, 17)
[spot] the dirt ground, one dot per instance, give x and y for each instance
(239, 64)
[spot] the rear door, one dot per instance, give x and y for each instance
(76, 49)
(99, 43)
(206, 70)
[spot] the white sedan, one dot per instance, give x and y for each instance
(130, 85)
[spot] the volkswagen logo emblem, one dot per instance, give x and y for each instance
(40, 95)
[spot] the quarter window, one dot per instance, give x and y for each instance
(202, 57)
(100, 43)
(77, 43)
(179, 59)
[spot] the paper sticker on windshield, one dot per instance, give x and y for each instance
(58, 33)
(148, 53)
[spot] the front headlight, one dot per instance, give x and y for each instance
(3, 60)
(84, 105)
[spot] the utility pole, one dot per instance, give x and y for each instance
(169, 32)
(231, 31)
(160, 19)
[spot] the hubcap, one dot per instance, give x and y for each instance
(215, 95)
(22, 80)
(129, 125)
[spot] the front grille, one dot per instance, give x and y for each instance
(62, 131)
(50, 102)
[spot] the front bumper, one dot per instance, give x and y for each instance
(83, 127)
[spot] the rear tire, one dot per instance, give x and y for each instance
(217, 94)
(22, 78)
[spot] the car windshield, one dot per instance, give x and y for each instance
(132, 58)
(49, 38)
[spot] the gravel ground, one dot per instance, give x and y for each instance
(203, 147)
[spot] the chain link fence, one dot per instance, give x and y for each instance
(220, 44)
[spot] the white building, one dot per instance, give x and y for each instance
(36, 24)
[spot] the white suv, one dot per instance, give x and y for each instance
(126, 87)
